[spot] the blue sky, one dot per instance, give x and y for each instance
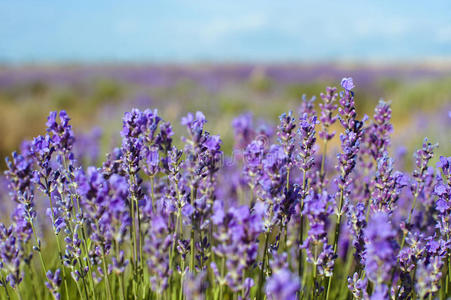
(225, 31)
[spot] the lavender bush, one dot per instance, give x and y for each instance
(280, 219)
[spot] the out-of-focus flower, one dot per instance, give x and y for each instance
(282, 285)
(380, 248)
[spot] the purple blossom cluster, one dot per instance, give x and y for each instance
(161, 218)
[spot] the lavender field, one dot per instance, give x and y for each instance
(225, 182)
(97, 96)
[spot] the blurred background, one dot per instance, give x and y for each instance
(98, 59)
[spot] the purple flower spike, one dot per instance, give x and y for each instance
(244, 130)
(53, 283)
(327, 117)
(380, 248)
(282, 285)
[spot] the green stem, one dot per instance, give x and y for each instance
(448, 265)
(59, 246)
(323, 161)
(62, 267)
(349, 262)
(252, 197)
(79, 290)
(152, 194)
(121, 285)
(221, 286)
(32, 277)
(409, 219)
(193, 251)
(336, 236)
(133, 229)
(6, 289)
(107, 278)
(172, 254)
(134, 238)
(313, 290)
(368, 209)
(285, 229)
(262, 271)
(18, 293)
(191, 263)
(181, 279)
(288, 178)
(85, 246)
(38, 244)
(83, 278)
(301, 225)
(448, 276)
(412, 209)
(140, 240)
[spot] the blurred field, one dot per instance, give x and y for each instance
(98, 95)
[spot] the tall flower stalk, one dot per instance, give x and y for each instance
(347, 159)
(305, 161)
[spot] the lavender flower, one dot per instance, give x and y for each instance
(61, 133)
(307, 106)
(422, 157)
(387, 185)
(20, 176)
(11, 256)
(428, 277)
(253, 163)
(282, 285)
(378, 136)
(380, 248)
(194, 286)
(307, 136)
(357, 222)
(327, 110)
(286, 134)
(158, 248)
(243, 130)
(443, 191)
(53, 283)
(347, 83)
(238, 233)
(317, 208)
(358, 286)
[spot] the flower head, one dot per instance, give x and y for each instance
(347, 83)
